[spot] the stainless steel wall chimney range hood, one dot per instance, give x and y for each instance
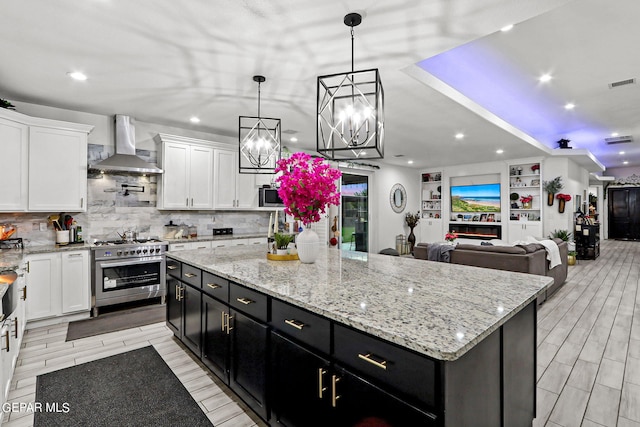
(125, 159)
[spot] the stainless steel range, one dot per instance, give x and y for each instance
(125, 271)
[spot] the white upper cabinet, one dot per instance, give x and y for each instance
(57, 170)
(187, 182)
(233, 189)
(48, 164)
(14, 137)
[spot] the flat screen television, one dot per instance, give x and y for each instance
(475, 198)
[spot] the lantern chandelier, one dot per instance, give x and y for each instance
(260, 141)
(351, 111)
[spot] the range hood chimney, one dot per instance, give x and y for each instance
(125, 159)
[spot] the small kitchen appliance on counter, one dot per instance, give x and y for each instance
(222, 231)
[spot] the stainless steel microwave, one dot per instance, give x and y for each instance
(268, 197)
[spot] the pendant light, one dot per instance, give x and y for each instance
(260, 141)
(350, 111)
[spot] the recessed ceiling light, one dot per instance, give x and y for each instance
(459, 135)
(569, 106)
(410, 162)
(621, 153)
(506, 28)
(293, 139)
(614, 134)
(625, 162)
(499, 151)
(545, 78)
(77, 75)
(194, 119)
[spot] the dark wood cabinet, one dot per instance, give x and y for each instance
(191, 318)
(174, 306)
(184, 315)
(587, 239)
(215, 338)
(624, 213)
(300, 386)
(357, 402)
(248, 361)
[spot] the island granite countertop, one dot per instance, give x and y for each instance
(437, 309)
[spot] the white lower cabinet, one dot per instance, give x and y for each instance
(58, 284)
(519, 230)
(220, 243)
(11, 333)
(430, 231)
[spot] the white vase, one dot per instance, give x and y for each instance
(308, 244)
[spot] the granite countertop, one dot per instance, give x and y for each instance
(41, 249)
(438, 309)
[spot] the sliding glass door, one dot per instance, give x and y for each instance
(355, 212)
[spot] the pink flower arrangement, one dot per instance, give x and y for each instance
(307, 186)
(565, 197)
(450, 237)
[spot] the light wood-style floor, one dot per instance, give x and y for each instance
(589, 343)
(45, 350)
(588, 352)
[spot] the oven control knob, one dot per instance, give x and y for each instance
(158, 250)
(119, 253)
(144, 251)
(126, 252)
(138, 251)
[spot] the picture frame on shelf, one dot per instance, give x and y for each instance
(483, 217)
(535, 182)
(476, 218)
(491, 218)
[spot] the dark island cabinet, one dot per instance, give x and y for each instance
(184, 313)
(215, 338)
(248, 361)
(300, 385)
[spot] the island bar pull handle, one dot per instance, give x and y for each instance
(321, 388)
(213, 286)
(295, 324)
(334, 394)
(16, 325)
(367, 357)
(172, 267)
(6, 339)
(245, 301)
(28, 266)
(229, 328)
(190, 275)
(224, 325)
(24, 293)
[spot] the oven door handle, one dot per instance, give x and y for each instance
(128, 263)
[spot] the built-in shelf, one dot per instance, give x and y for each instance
(485, 231)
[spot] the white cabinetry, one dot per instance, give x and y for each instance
(519, 230)
(58, 283)
(184, 246)
(11, 333)
(57, 170)
(233, 189)
(75, 281)
(15, 142)
(187, 182)
(430, 230)
(48, 164)
(525, 216)
(220, 243)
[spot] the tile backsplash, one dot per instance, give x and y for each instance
(117, 202)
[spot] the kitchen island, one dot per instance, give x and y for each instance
(455, 344)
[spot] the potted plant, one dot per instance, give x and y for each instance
(552, 187)
(535, 168)
(412, 221)
(571, 257)
(282, 242)
(561, 234)
(526, 201)
(563, 198)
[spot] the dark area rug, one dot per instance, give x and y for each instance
(116, 321)
(135, 388)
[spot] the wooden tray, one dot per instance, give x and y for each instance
(274, 257)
